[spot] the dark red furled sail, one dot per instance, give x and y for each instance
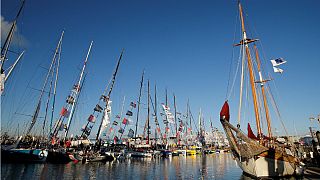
(251, 134)
(224, 113)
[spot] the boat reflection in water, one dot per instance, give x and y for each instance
(214, 166)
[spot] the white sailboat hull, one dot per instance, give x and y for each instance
(266, 167)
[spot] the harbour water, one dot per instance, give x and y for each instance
(214, 166)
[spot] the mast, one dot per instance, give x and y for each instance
(110, 90)
(262, 81)
(75, 92)
(8, 40)
(36, 112)
(13, 66)
(148, 124)
(175, 116)
(246, 41)
(138, 110)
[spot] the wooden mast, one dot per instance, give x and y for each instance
(246, 41)
(262, 81)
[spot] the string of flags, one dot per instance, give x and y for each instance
(276, 63)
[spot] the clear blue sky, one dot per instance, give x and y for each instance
(184, 46)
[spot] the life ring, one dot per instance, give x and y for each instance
(41, 155)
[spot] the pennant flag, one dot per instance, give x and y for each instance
(115, 139)
(91, 118)
(121, 130)
(104, 98)
(132, 104)
(129, 113)
(115, 123)
(76, 87)
(98, 108)
(131, 133)
(70, 100)
(125, 121)
(83, 127)
(64, 112)
(277, 62)
(277, 70)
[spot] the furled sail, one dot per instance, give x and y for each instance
(251, 134)
(224, 113)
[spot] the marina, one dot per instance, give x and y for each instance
(127, 118)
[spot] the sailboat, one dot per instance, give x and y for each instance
(57, 153)
(258, 156)
(103, 107)
(4, 50)
(27, 149)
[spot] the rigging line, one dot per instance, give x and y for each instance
(241, 54)
(277, 109)
(232, 56)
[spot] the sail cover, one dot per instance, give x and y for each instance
(106, 117)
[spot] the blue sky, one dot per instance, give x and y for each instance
(184, 46)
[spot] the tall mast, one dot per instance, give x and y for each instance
(110, 90)
(138, 110)
(36, 112)
(246, 41)
(6, 45)
(75, 92)
(167, 125)
(175, 116)
(262, 81)
(148, 124)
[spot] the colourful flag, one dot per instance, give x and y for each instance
(132, 104)
(131, 133)
(121, 130)
(91, 118)
(129, 113)
(64, 112)
(125, 121)
(277, 62)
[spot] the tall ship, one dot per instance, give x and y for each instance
(257, 155)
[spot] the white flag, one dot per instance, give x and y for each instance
(277, 62)
(169, 115)
(277, 70)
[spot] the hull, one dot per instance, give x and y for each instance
(24, 156)
(58, 157)
(266, 167)
(257, 160)
(191, 152)
(141, 155)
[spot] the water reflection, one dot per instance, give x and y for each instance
(215, 166)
